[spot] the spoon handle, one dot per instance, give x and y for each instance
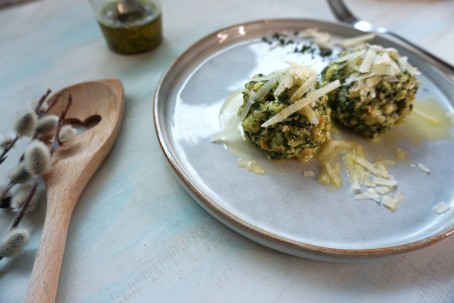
(46, 269)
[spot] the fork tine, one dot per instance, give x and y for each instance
(341, 11)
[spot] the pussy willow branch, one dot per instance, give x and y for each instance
(7, 148)
(54, 102)
(56, 143)
(39, 112)
(41, 101)
(6, 190)
(37, 180)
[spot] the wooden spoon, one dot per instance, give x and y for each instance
(73, 167)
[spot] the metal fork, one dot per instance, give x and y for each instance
(343, 14)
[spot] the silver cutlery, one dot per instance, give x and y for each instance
(343, 14)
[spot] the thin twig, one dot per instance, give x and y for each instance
(7, 189)
(56, 99)
(55, 145)
(7, 148)
(56, 142)
(41, 101)
(23, 209)
(39, 112)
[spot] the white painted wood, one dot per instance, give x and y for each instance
(136, 235)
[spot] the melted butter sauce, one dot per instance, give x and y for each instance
(235, 141)
(434, 124)
(439, 125)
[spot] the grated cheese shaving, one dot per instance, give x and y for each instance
(266, 88)
(368, 196)
(369, 59)
(306, 87)
(311, 115)
(441, 207)
(350, 42)
(334, 174)
(393, 203)
(423, 168)
(251, 165)
(427, 117)
(298, 105)
(401, 154)
(382, 190)
(369, 166)
(309, 173)
(386, 182)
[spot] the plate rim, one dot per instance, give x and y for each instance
(255, 233)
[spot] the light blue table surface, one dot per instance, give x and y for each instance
(136, 235)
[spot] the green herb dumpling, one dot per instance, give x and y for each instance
(286, 113)
(378, 88)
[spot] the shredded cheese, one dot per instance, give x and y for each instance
(427, 117)
(393, 203)
(423, 168)
(298, 105)
(441, 208)
(309, 173)
(350, 42)
(251, 165)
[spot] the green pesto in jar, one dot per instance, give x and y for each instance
(132, 33)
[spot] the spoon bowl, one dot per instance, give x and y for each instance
(96, 101)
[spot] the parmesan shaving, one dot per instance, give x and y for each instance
(427, 117)
(298, 105)
(369, 166)
(306, 87)
(401, 154)
(382, 190)
(369, 58)
(251, 165)
(248, 105)
(334, 174)
(367, 196)
(320, 38)
(311, 115)
(393, 203)
(386, 182)
(441, 208)
(286, 81)
(308, 173)
(423, 168)
(235, 125)
(266, 88)
(350, 42)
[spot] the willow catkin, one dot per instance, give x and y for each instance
(25, 125)
(13, 242)
(37, 158)
(21, 195)
(67, 134)
(47, 125)
(20, 174)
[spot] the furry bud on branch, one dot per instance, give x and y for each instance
(25, 125)
(13, 242)
(47, 125)
(37, 158)
(20, 174)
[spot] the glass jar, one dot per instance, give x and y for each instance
(129, 26)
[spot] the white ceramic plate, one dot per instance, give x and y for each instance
(282, 208)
